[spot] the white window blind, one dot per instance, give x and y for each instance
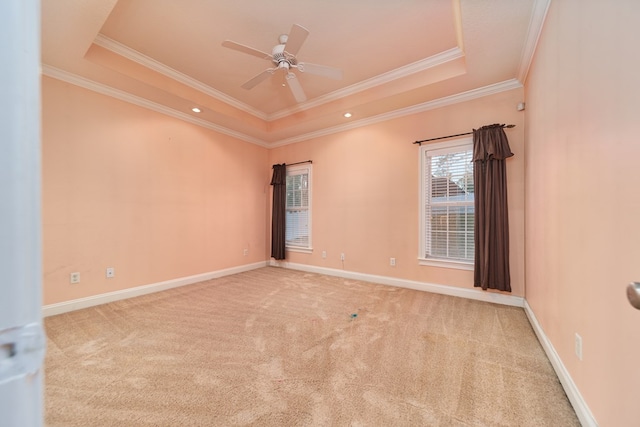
(298, 207)
(448, 214)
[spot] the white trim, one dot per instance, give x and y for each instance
(469, 95)
(409, 284)
(539, 14)
(579, 405)
(304, 169)
(299, 249)
(427, 150)
(77, 304)
(144, 60)
(398, 73)
(82, 82)
(445, 263)
(414, 109)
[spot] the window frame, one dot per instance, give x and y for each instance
(301, 170)
(463, 144)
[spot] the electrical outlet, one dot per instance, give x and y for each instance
(245, 252)
(324, 254)
(111, 272)
(392, 262)
(579, 347)
(342, 256)
(74, 278)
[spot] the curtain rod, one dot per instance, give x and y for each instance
(297, 163)
(452, 136)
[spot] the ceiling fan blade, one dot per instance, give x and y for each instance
(295, 87)
(320, 70)
(295, 39)
(246, 49)
(250, 84)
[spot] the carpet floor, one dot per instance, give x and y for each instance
(277, 347)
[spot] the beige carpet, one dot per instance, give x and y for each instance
(275, 347)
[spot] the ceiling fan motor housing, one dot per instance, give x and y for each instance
(281, 58)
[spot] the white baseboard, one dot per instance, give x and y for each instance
(77, 304)
(579, 405)
(410, 284)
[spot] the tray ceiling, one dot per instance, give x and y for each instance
(395, 56)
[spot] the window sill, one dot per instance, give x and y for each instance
(299, 249)
(458, 265)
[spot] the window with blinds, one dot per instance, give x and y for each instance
(298, 207)
(448, 201)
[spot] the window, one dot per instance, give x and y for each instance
(298, 208)
(447, 208)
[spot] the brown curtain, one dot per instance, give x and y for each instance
(278, 224)
(490, 149)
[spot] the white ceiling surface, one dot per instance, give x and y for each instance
(395, 56)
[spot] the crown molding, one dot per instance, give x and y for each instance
(398, 73)
(418, 66)
(133, 55)
(469, 95)
(414, 109)
(538, 16)
(91, 85)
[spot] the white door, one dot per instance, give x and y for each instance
(21, 338)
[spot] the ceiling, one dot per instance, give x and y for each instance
(397, 57)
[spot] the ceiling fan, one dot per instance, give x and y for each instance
(283, 57)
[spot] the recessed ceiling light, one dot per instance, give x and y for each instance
(347, 115)
(195, 109)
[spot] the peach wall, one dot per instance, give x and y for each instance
(583, 198)
(365, 191)
(152, 196)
